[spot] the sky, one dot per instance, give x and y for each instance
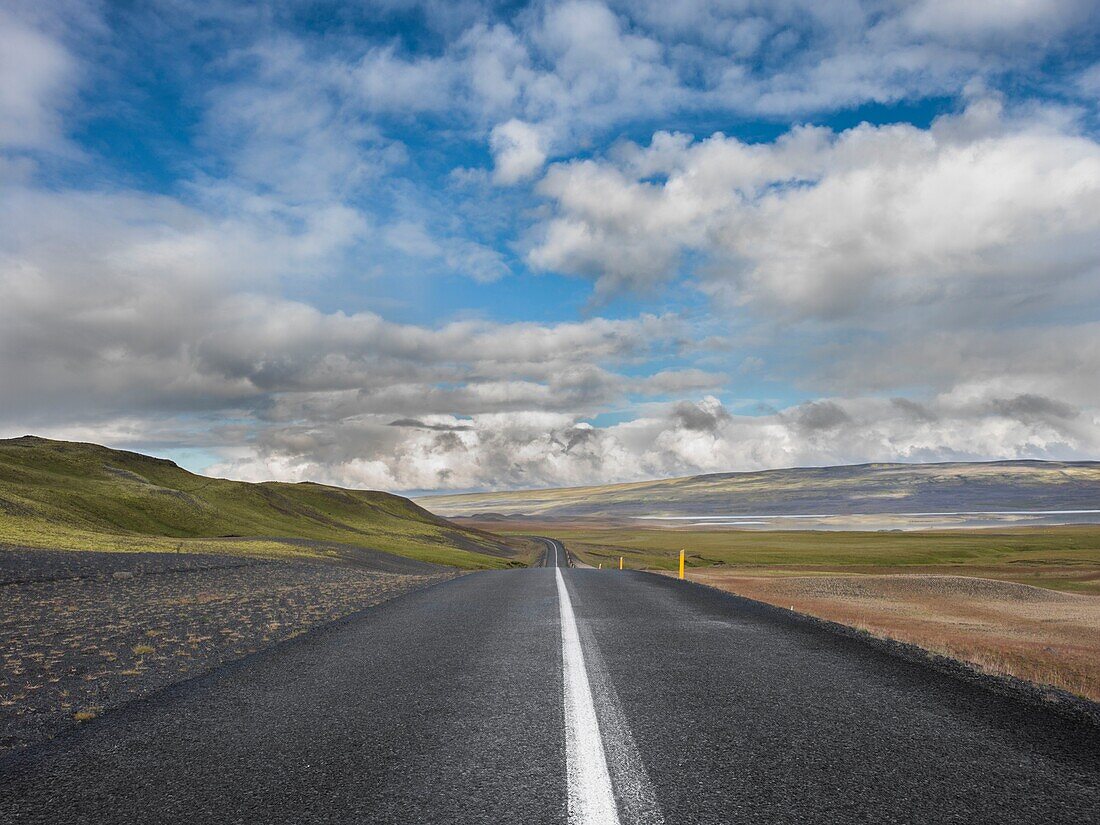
(445, 246)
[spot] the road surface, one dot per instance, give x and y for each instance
(563, 695)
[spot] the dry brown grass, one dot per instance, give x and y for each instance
(1040, 635)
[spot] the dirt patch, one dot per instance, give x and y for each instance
(1031, 633)
(83, 632)
(922, 587)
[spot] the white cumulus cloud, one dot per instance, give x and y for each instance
(518, 151)
(856, 223)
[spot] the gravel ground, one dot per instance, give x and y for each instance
(81, 631)
(23, 565)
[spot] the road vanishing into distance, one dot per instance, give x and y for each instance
(553, 695)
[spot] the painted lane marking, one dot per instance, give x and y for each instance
(634, 791)
(591, 800)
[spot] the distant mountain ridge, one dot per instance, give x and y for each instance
(842, 490)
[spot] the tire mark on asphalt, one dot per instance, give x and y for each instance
(630, 780)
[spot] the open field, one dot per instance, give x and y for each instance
(1063, 558)
(56, 494)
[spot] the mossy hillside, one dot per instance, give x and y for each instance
(84, 496)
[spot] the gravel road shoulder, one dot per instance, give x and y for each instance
(81, 632)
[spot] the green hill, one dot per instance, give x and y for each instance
(862, 489)
(87, 497)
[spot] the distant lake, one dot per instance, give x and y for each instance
(884, 521)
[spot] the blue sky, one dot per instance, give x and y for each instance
(556, 243)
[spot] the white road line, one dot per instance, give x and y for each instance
(634, 792)
(591, 800)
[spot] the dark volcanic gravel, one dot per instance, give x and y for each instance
(81, 632)
(21, 565)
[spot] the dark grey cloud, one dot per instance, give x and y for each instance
(817, 416)
(573, 437)
(448, 442)
(1030, 408)
(416, 423)
(698, 418)
(913, 409)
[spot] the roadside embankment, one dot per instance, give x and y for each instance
(83, 632)
(1039, 635)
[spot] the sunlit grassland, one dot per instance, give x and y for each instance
(1062, 557)
(45, 535)
(85, 497)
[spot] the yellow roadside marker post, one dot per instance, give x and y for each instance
(600, 567)
(620, 562)
(681, 564)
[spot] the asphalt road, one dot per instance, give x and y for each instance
(446, 705)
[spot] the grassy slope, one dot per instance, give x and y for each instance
(866, 488)
(83, 496)
(1064, 558)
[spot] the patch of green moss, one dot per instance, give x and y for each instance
(86, 497)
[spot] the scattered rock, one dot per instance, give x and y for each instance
(74, 641)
